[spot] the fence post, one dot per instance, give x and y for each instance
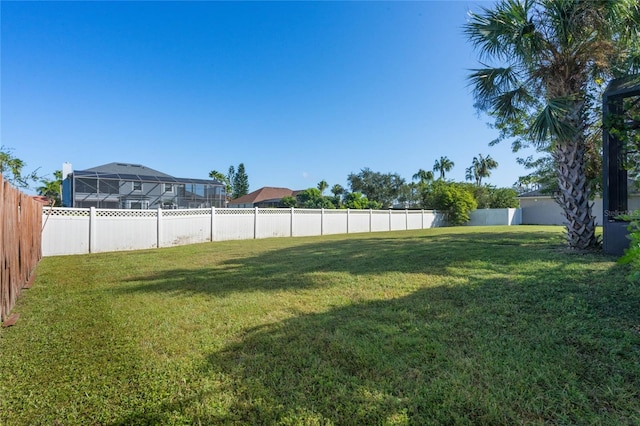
(213, 223)
(322, 221)
(92, 229)
(370, 218)
(348, 216)
(159, 228)
(255, 223)
(389, 219)
(406, 219)
(291, 212)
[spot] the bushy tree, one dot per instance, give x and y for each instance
(503, 198)
(451, 198)
(409, 195)
(542, 176)
(490, 197)
(357, 201)
(11, 169)
(289, 201)
(381, 187)
(312, 198)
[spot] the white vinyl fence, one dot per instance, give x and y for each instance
(80, 231)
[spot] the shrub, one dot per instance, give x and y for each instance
(452, 198)
(289, 201)
(502, 198)
(490, 197)
(632, 254)
(355, 200)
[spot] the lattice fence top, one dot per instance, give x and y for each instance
(57, 211)
(235, 211)
(125, 213)
(190, 212)
(308, 211)
(274, 212)
(67, 211)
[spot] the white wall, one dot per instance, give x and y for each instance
(79, 231)
(544, 210)
(489, 217)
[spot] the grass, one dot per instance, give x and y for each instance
(443, 326)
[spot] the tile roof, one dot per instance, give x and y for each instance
(264, 193)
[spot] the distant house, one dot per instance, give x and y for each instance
(539, 208)
(134, 186)
(264, 197)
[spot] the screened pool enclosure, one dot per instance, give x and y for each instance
(132, 186)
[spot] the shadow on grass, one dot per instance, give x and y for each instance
(491, 354)
(558, 346)
(297, 266)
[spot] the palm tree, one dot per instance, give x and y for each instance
(443, 166)
(423, 176)
(337, 190)
(480, 167)
(322, 186)
(548, 55)
(52, 189)
(214, 174)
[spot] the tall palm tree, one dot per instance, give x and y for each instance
(443, 165)
(423, 176)
(549, 54)
(337, 190)
(322, 186)
(480, 168)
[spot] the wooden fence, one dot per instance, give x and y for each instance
(20, 244)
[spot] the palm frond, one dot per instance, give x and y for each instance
(511, 103)
(503, 31)
(552, 121)
(490, 82)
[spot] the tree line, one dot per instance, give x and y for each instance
(375, 190)
(368, 189)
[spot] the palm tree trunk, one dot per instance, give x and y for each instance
(573, 195)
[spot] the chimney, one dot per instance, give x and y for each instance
(67, 169)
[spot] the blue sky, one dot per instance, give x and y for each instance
(297, 91)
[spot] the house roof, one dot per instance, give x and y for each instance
(136, 172)
(41, 199)
(263, 194)
(127, 168)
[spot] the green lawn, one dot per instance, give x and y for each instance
(456, 326)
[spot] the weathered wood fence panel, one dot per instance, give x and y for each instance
(20, 243)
